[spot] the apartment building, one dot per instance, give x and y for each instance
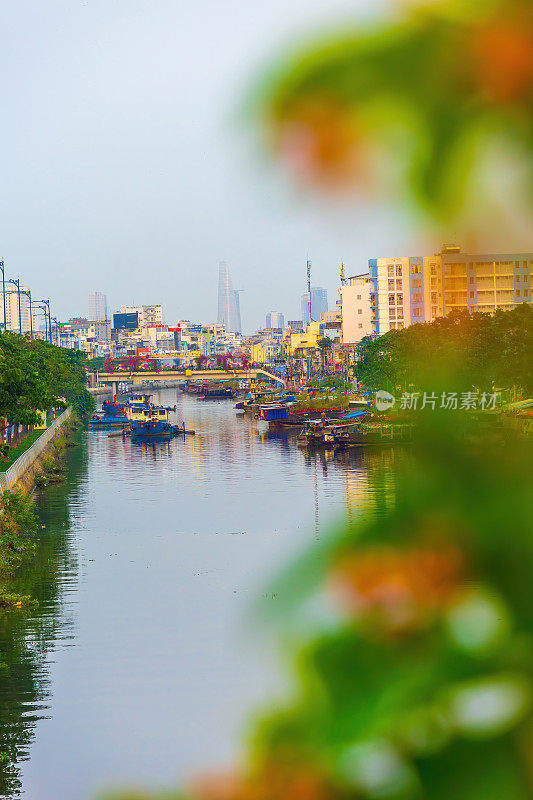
(406, 290)
(356, 313)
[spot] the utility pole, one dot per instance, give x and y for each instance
(342, 274)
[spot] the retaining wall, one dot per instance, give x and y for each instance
(15, 472)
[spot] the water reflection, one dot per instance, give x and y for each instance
(26, 640)
(138, 664)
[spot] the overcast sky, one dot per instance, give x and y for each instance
(126, 170)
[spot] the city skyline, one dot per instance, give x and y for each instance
(118, 199)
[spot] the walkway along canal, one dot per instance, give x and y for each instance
(142, 661)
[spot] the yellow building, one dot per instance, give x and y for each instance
(406, 290)
(303, 341)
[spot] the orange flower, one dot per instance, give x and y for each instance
(322, 142)
(502, 59)
(272, 782)
(402, 588)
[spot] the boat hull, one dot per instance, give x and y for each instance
(152, 429)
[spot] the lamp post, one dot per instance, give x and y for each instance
(17, 284)
(45, 306)
(58, 338)
(27, 292)
(2, 267)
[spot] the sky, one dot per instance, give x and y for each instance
(129, 169)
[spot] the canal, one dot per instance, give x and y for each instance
(143, 660)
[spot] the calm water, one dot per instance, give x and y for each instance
(142, 662)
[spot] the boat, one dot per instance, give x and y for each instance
(150, 422)
(103, 420)
(216, 392)
(355, 430)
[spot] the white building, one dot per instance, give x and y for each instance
(148, 315)
(275, 320)
(356, 309)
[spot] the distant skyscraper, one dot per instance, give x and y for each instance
(319, 304)
(275, 320)
(229, 312)
(97, 306)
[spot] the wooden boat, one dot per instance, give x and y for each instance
(360, 433)
(216, 392)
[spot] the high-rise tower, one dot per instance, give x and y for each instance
(319, 304)
(229, 313)
(97, 306)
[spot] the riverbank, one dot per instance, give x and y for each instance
(23, 471)
(40, 465)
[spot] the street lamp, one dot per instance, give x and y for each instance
(27, 292)
(58, 338)
(2, 267)
(17, 284)
(45, 306)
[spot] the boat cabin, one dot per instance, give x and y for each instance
(138, 413)
(273, 412)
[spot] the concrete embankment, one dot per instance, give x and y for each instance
(25, 468)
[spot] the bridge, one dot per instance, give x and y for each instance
(184, 376)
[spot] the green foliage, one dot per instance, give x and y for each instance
(325, 343)
(35, 375)
(331, 400)
(331, 382)
(455, 353)
(426, 666)
(395, 91)
(18, 526)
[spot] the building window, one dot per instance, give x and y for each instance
(400, 325)
(391, 299)
(358, 296)
(399, 284)
(517, 278)
(417, 312)
(359, 310)
(417, 284)
(518, 292)
(415, 269)
(472, 294)
(417, 298)
(433, 311)
(433, 297)
(390, 269)
(398, 270)
(391, 285)
(360, 325)
(400, 313)
(433, 270)
(399, 300)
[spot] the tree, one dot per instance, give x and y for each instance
(325, 345)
